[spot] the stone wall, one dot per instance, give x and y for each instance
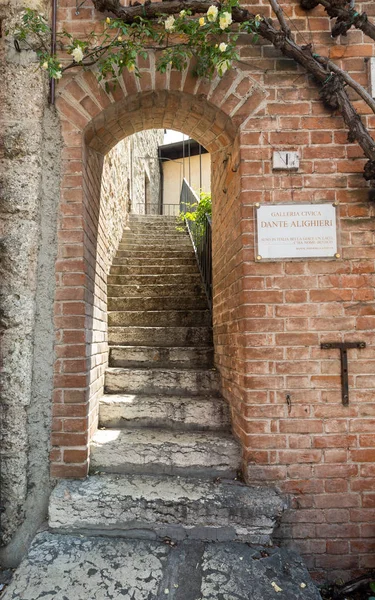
(145, 171)
(31, 158)
(125, 169)
(269, 318)
(29, 173)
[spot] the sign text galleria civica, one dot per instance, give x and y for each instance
(296, 231)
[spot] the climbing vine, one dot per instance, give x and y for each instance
(208, 31)
(208, 38)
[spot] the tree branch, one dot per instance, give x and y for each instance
(346, 17)
(280, 17)
(349, 80)
(333, 92)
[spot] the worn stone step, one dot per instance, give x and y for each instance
(154, 451)
(162, 381)
(60, 566)
(151, 218)
(164, 412)
(159, 318)
(159, 236)
(179, 279)
(155, 229)
(160, 507)
(144, 356)
(158, 303)
(138, 247)
(160, 336)
(154, 269)
(182, 289)
(141, 252)
(136, 261)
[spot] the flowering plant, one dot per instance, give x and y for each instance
(177, 38)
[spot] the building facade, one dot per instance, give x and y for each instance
(270, 317)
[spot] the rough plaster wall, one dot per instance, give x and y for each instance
(123, 182)
(28, 181)
(114, 196)
(144, 149)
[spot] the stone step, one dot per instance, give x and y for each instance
(173, 382)
(157, 290)
(159, 507)
(156, 255)
(156, 229)
(179, 279)
(158, 303)
(138, 247)
(154, 269)
(144, 357)
(154, 236)
(59, 566)
(164, 412)
(133, 218)
(159, 318)
(135, 261)
(160, 336)
(154, 451)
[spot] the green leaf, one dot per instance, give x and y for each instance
(372, 586)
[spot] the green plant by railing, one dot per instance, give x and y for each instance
(198, 210)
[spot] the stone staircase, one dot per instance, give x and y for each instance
(163, 462)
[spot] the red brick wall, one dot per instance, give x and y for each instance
(269, 318)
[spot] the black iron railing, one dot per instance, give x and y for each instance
(201, 236)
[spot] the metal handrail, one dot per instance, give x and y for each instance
(201, 237)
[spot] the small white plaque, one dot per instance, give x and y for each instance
(296, 231)
(285, 161)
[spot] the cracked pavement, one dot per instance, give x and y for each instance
(73, 567)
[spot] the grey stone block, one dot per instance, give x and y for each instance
(142, 280)
(67, 567)
(153, 451)
(159, 318)
(189, 268)
(162, 381)
(157, 303)
(146, 356)
(167, 412)
(162, 506)
(160, 336)
(181, 289)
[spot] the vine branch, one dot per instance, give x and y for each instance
(346, 16)
(333, 80)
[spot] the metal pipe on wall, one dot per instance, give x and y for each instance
(52, 82)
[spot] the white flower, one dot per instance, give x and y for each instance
(223, 66)
(45, 66)
(212, 13)
(77, 54)
(182, 13)
(225, 20)
(303, 585)
(169, 23)
(58, 75)
(223, 46)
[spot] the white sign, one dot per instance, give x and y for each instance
(296, 231)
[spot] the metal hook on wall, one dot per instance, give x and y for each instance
(78, 6)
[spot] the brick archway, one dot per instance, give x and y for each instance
(92, 122)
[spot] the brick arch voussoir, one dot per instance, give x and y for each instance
(176, 100)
